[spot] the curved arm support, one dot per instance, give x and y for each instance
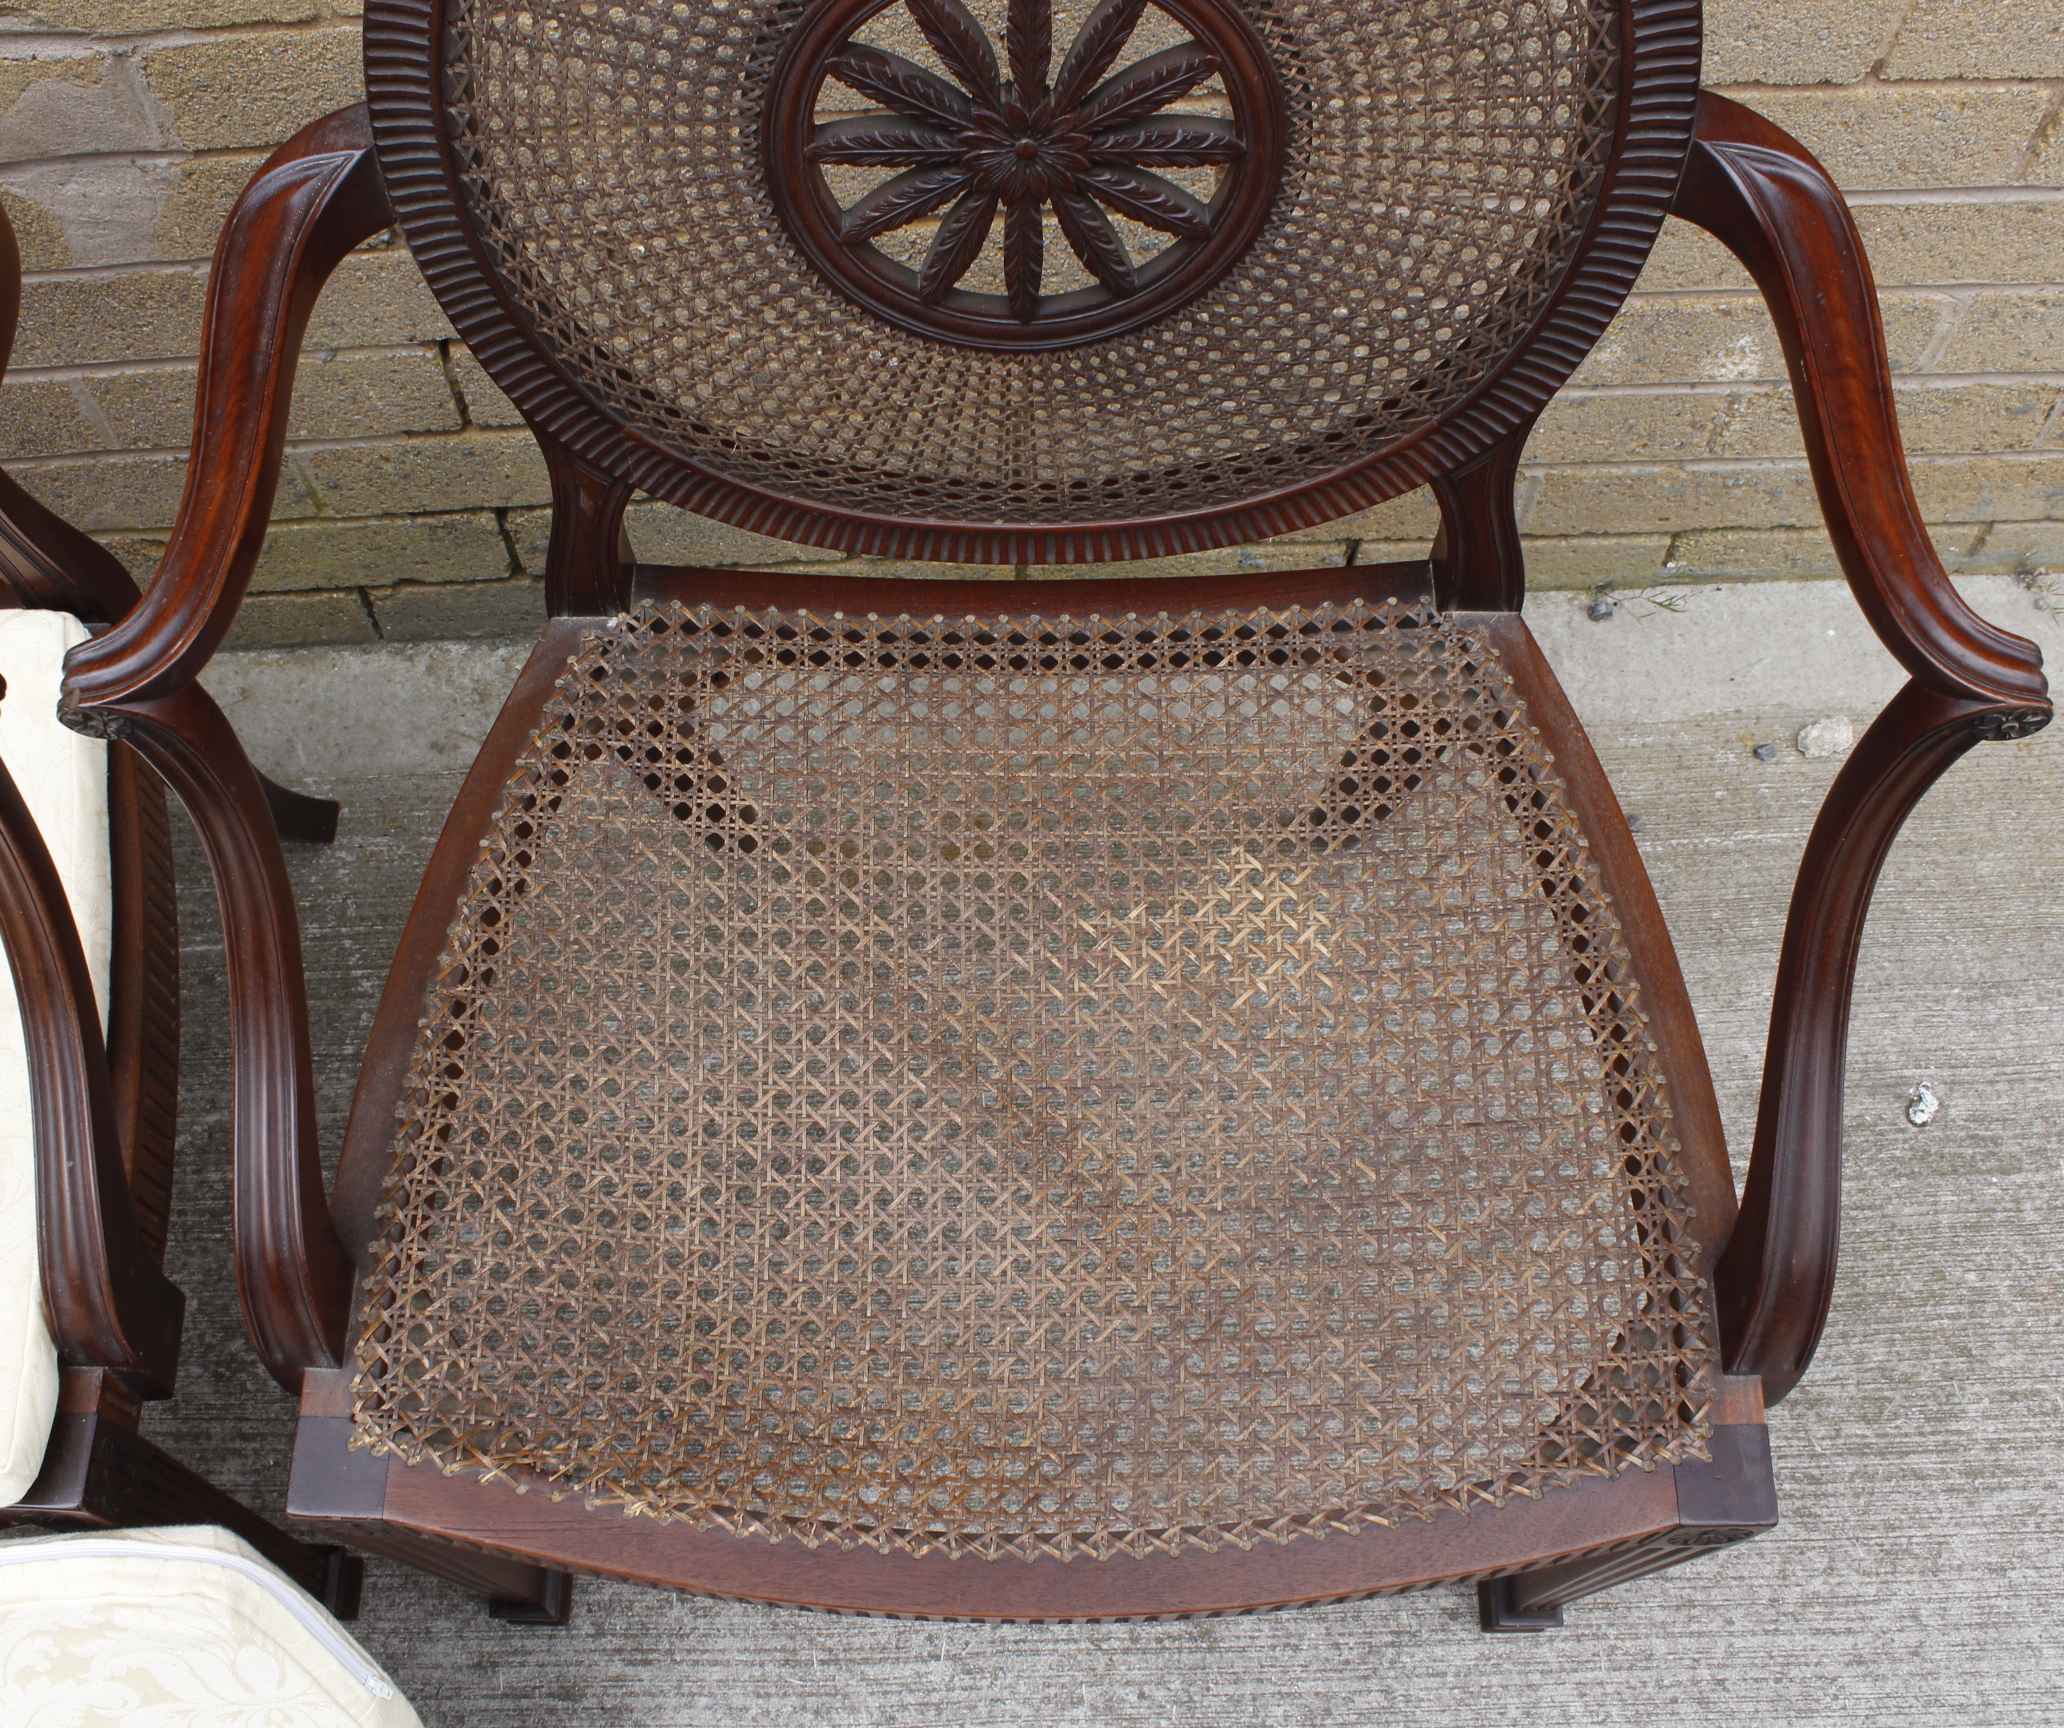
(316, 199)
(1763, 196)
(292, 1272)
(1769, 202)
(108, 1303)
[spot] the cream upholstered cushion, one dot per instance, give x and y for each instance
(63, 779)
(176, 1628)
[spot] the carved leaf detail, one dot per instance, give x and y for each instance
(1154, 83)
(874, 142)
(1028, 37)
(895, 203)
(1148, 198)
(960, 42)
(900, 84)
(957, 244)
(1024, 248)
(1173, 141)
(1092, 239)
(1097, 45)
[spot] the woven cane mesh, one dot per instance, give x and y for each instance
(1038, 1087)
(1444, 157)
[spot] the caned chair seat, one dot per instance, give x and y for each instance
(1037, 1085)
(1030, 1099)
(63, 780)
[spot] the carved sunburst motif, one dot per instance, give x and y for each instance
(1015, 130)
(1076, 141)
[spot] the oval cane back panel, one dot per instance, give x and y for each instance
(1041, 1086)
(829, 271)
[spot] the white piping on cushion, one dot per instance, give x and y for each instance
(297, 1602)
(63, 780)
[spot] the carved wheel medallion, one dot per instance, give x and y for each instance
(1081, 152)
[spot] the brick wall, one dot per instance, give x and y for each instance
(410, 506)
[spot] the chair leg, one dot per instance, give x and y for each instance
(100, 1475)
(300, 815)
(517, 1592)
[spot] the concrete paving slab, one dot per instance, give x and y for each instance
(1913, 1578)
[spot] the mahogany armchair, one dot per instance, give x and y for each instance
(89, 1087)
(1039, 1099)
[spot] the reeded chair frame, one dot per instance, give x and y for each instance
(1771, 1260)
(106, 1106)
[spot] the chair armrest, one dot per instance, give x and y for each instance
(314, 200)
(1763, 195)
(108, 1303)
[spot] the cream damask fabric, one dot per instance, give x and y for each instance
(176, 1628)
(63, 780)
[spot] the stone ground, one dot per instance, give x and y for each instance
(1912, 1580)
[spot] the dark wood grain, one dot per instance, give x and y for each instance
(588, 558)
(108, 1303)
(393, 1502)
(291, 1271)
(311, 203)
(1478, 564)
(1762, 194)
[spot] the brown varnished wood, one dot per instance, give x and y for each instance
(367, 1494)
(100, 1474)
(1776, 208)
(1762, 194)
(405, 57)
(291, 1270)
(107, 1302)
(308, 206)
(1478, 564)
(588, 558)
(1680, 1053)
(143, 989)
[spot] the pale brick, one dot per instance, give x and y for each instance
(253, 92)
(301, 621)
(410, 613)
(1232, 560)
(485, 404)
(1786, 42)
(1688, 259)
(1916, 245)
(465, 471)
(1660, 500)
(1736, 554)
(1955, 39)
(1585, 561)
(139, 554)
(114, 493)
(348, 396)
(1990, 488)
(1411, 516)
(2009, 548)
(376, 300)
(380, 553)
(1710, 338)
(200, 203)
(1392, 551)
(911, 569)
(127, 17)
(37, 233)
(661, 534)
(141, 315)
(2021, 332)
(35, 132)
(44, 420)
(1663, 426)
(1951, 419)
(1888, 136)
